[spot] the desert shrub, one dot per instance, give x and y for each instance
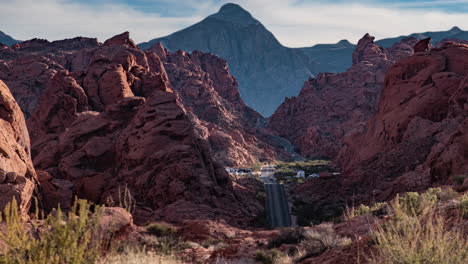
(168, 240)
(326, 234)
(126, 199)
(414, 204)
(463, 206)
(314, 214)
(417, 234)
(364, 209)
(447, 194)
(161, 229)
(288, 235)
(66, 238)
(285, 169)
(272, 256)
(459, 178)
(138, 256)
(212, 242)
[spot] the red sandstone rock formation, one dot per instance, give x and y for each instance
(113, 122)
(419, 135)
(17, 175)
(332, 105)
(423, 45)
(210, 93)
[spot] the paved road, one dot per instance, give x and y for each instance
(277, 205)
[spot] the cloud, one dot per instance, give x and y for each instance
(59, 19)
(303, 23)
(294, 22)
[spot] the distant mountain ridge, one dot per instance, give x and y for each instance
(266, 70)
(7, 40)
(437, 36)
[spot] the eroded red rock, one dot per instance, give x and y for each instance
(113, 125)
(17, 175)
(418, 137)
(210, 93)
(333, 105)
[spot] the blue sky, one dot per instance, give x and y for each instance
(294, 22)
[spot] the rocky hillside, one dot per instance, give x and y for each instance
(332, 105)
(7, 40)
(108, 121)
(210, 93)
(418, 137)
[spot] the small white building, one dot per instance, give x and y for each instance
(300, 174)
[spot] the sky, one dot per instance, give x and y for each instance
(296, 23)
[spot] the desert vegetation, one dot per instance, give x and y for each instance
(71, 237)
(285, 169)
(418, 231)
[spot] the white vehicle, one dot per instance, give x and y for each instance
(314, 175)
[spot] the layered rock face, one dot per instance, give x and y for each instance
(28, 66)
(419, 135)
(332, 105)
(17, 175)
(210, 93)
(109, 123)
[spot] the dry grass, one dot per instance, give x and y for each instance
(138, 256)
(363, 210)
(417, 233)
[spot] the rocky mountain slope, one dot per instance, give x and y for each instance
(7, 40)
(418, 137)
(108, 120)
(210, 93)
(266, 70)
(436, 36)
(332, 105)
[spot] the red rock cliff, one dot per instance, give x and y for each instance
(210, 93)
(419, 135)
(332, 105)
(17, 175)
(113, 122)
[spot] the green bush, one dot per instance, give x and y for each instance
(288, 235)
(72, 238)
(459, 178)
(463, 206)
(414, 204)
(314, 214)
(272, 256)
(161, 229)
(285, 169)
(364, 209)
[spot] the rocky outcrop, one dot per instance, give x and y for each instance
(332, 105)
(210, 93)
(418, 137)
(112, 127)
(27, 77)
(17, 175)
(423, 45)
